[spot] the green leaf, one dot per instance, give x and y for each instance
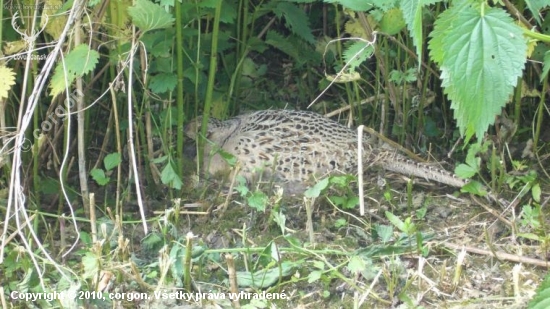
(227, 157)
(337, 200)
(86, 238)
(111, 160)
(99, 176)
(296, 20)
(421, 212)
(168, 176)
(351, 202)
(541, 300)
(78, 62)
(356, 53)
(268, 255)
(281, 43)
(280, 219)
(147, 16)
(314, 276)
(160, 159)
(536, 192)
(396, 221)
(241, 187)
(91, 265)
(412, 14)
(535, 6)
(163, 82)
(340, 223)
(228, 8)
(384, 5)
(474, 187)
(293, 241)
(258, 200)
(465, 171)
(481, 53)
(384, 232)
(316, 190)
(439, 33)
(546, 66)
(264, 278)
(530, 236)
(345, 202)
(356, 264)
(392, 22)
(354, 5)
(342, 181)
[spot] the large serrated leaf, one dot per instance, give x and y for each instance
(412, 14)
(356, 53)
(482, 53)
(280, 42)
(258, 200)
(78, 62)
(149, 16)
(163, 82)
(296, 19)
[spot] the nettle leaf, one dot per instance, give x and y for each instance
(280, 42)
(229, 12)
(392, 22)
(168, 176)
(442, 25)
(78, 62)
(465, 171)
(398, 223)
(541, 299)
(99, 176)
(111, 161)
(412, 14)
(535, 7)
(296, 20)
(474, 187)
(384, 5)
(481, 53)
(357, 264)
(356, 53)
(149, 16)
(354, 5)
(258, 200)
(163, 82)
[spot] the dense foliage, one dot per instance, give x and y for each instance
(94, 97)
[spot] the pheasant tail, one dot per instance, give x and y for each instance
(399, 164)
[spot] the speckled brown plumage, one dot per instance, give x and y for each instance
(294, 147)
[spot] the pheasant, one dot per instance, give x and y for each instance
(295, 147)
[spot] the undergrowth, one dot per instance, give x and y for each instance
(102, 202)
